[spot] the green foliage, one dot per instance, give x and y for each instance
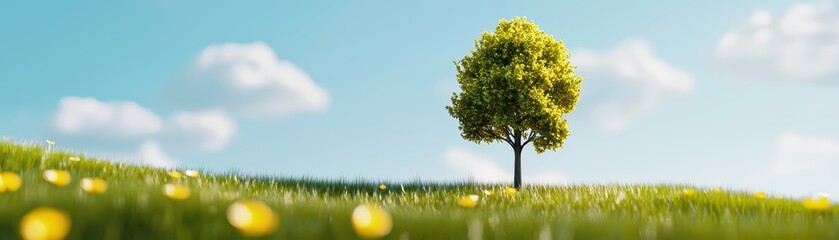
(516, 86)
(134, 207)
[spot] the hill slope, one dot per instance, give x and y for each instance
(134, 206)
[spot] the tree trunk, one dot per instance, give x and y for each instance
(517, 177)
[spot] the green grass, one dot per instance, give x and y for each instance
(134, 207)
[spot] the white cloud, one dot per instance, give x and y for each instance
(211, 130)
(89, 118)
(761, 18)
(152, 154)
(642, 76)
(803, 43)
(798, 154)
(485, 170)
(111, 120)
(247, 80)
(480, 168)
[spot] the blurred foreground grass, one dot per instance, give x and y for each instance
(135, 206)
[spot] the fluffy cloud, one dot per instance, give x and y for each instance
(152, 154)
(802, 43)
(91, 117)
(486, 170)
(481, 169)
(211, 130)
(798, 154)
(642, 79)
(243, 79)
(247, 80)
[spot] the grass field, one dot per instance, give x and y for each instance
(134, 206)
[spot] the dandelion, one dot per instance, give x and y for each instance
(510, 191)
(57, 177)
(45, 223)
(489, 192)
(252, 218)
(93, 185)
(371, 221)
(74, 159)
(819, 205)
(175, 174)
(382, 186)
(9, 181)
(688, 192)
(176, 191)
(468, 201)
(191, 173)
(760, 195)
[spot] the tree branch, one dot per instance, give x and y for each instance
(506, 139)
(530, 138)
(509, 130)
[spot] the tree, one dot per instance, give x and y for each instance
(517, 84)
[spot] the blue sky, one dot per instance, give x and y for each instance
(713, 93)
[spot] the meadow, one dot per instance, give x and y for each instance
(108, 200)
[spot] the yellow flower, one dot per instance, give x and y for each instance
(510, 191)
(382, 186)
(468, 201)
(58, 177)
(252, 218)
(175, 174)
(688, 191)
(371, 221)
(74, 159)
(820, 205)
(489, 192)
(176, 191)
(9, 181)
(45, 223)
(760, 195)
(93, 185)
(717, 190)
(191, 173)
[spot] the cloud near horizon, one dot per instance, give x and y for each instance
(484, 169)
(152, 154)
(211, 129)
(246, 80)
(127, 121)
(90, 117)
(799, 154)
(630, 80)
(802, 44)
(474, 166)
